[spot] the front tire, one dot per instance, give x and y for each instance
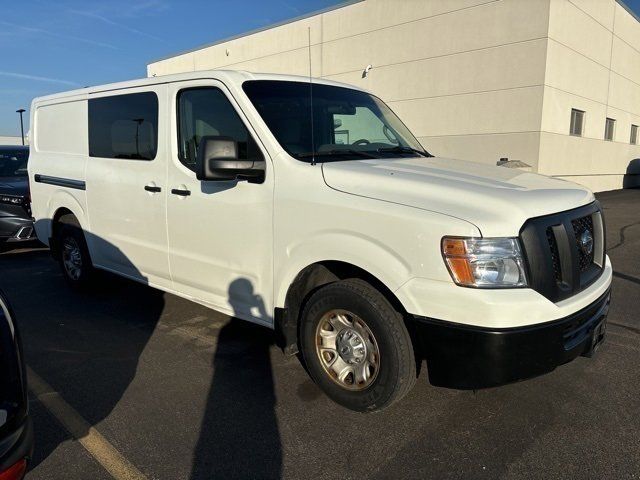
(356, 346)
(73, 255)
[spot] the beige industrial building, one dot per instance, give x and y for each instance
(10, 140)
(552, 83)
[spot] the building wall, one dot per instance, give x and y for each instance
(473, 79)
(593, 64)
(7, 140)
(475, 94)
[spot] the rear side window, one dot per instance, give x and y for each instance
(124, 126)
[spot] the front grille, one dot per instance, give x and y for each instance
(562, 259)
(580, 226)
(555, 255)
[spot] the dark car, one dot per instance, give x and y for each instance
(16, 433)
(16, 224)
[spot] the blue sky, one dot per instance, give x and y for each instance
(49, 46)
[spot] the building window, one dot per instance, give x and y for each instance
(577, 122)
(634, 135)
(609, 129)
(124, 126)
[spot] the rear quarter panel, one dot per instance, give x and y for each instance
(59, 148)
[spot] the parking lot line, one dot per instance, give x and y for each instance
(98, 447)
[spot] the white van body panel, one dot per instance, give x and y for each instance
(128, 233)
(221, 235)
(61, 138)
(237, 246)
(314, 223)
(499, 199)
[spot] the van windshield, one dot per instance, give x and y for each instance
(13, 162)
(347, 124)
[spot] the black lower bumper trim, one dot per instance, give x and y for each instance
(467, 357)
(10, 226)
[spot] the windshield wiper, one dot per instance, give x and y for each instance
(401, 149)
(336, 153)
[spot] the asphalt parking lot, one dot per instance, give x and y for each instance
(157, 387)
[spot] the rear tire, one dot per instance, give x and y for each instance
(356, 346)
(73, 254)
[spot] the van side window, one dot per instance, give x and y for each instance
(207, 112)
(124, 126)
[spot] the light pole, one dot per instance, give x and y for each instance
(21, 111)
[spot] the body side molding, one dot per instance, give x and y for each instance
(60, 182)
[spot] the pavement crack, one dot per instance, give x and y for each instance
(622, 237)
(626, 327)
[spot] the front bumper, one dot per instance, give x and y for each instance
(469, 357)
(16, 229)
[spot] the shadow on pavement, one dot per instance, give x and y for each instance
(239, 436)
(87, 346)
(71, 339)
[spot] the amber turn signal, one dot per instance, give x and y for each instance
(455, 252)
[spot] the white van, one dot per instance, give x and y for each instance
(309, 207)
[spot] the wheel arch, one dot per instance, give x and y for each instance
(56, 222)
(306, 282)
(59, 203)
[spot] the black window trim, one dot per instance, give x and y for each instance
(229, 98)
(571, 124)
(607, 122)
(124, 92)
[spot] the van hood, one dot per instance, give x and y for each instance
(497, 200)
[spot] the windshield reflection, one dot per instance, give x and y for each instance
(346, 124)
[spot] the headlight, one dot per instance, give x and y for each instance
(485, 262)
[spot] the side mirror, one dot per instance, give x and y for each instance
(218, 160)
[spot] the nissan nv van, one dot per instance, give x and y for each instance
(307, 206)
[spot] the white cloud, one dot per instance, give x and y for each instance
(108, 21)
(37, 78)
(41, 31)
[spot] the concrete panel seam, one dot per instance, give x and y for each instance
(592, 17)
(590, 99)
(306, 16)
(610, 63)
(327, 42)
(360, 34)
(465, 93)
(598, 139)
(444, 55)
(415, 20)
(479, 134)
(594, 61)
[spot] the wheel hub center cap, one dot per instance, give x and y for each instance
(351, 346)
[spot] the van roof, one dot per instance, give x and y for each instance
(225, 76)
